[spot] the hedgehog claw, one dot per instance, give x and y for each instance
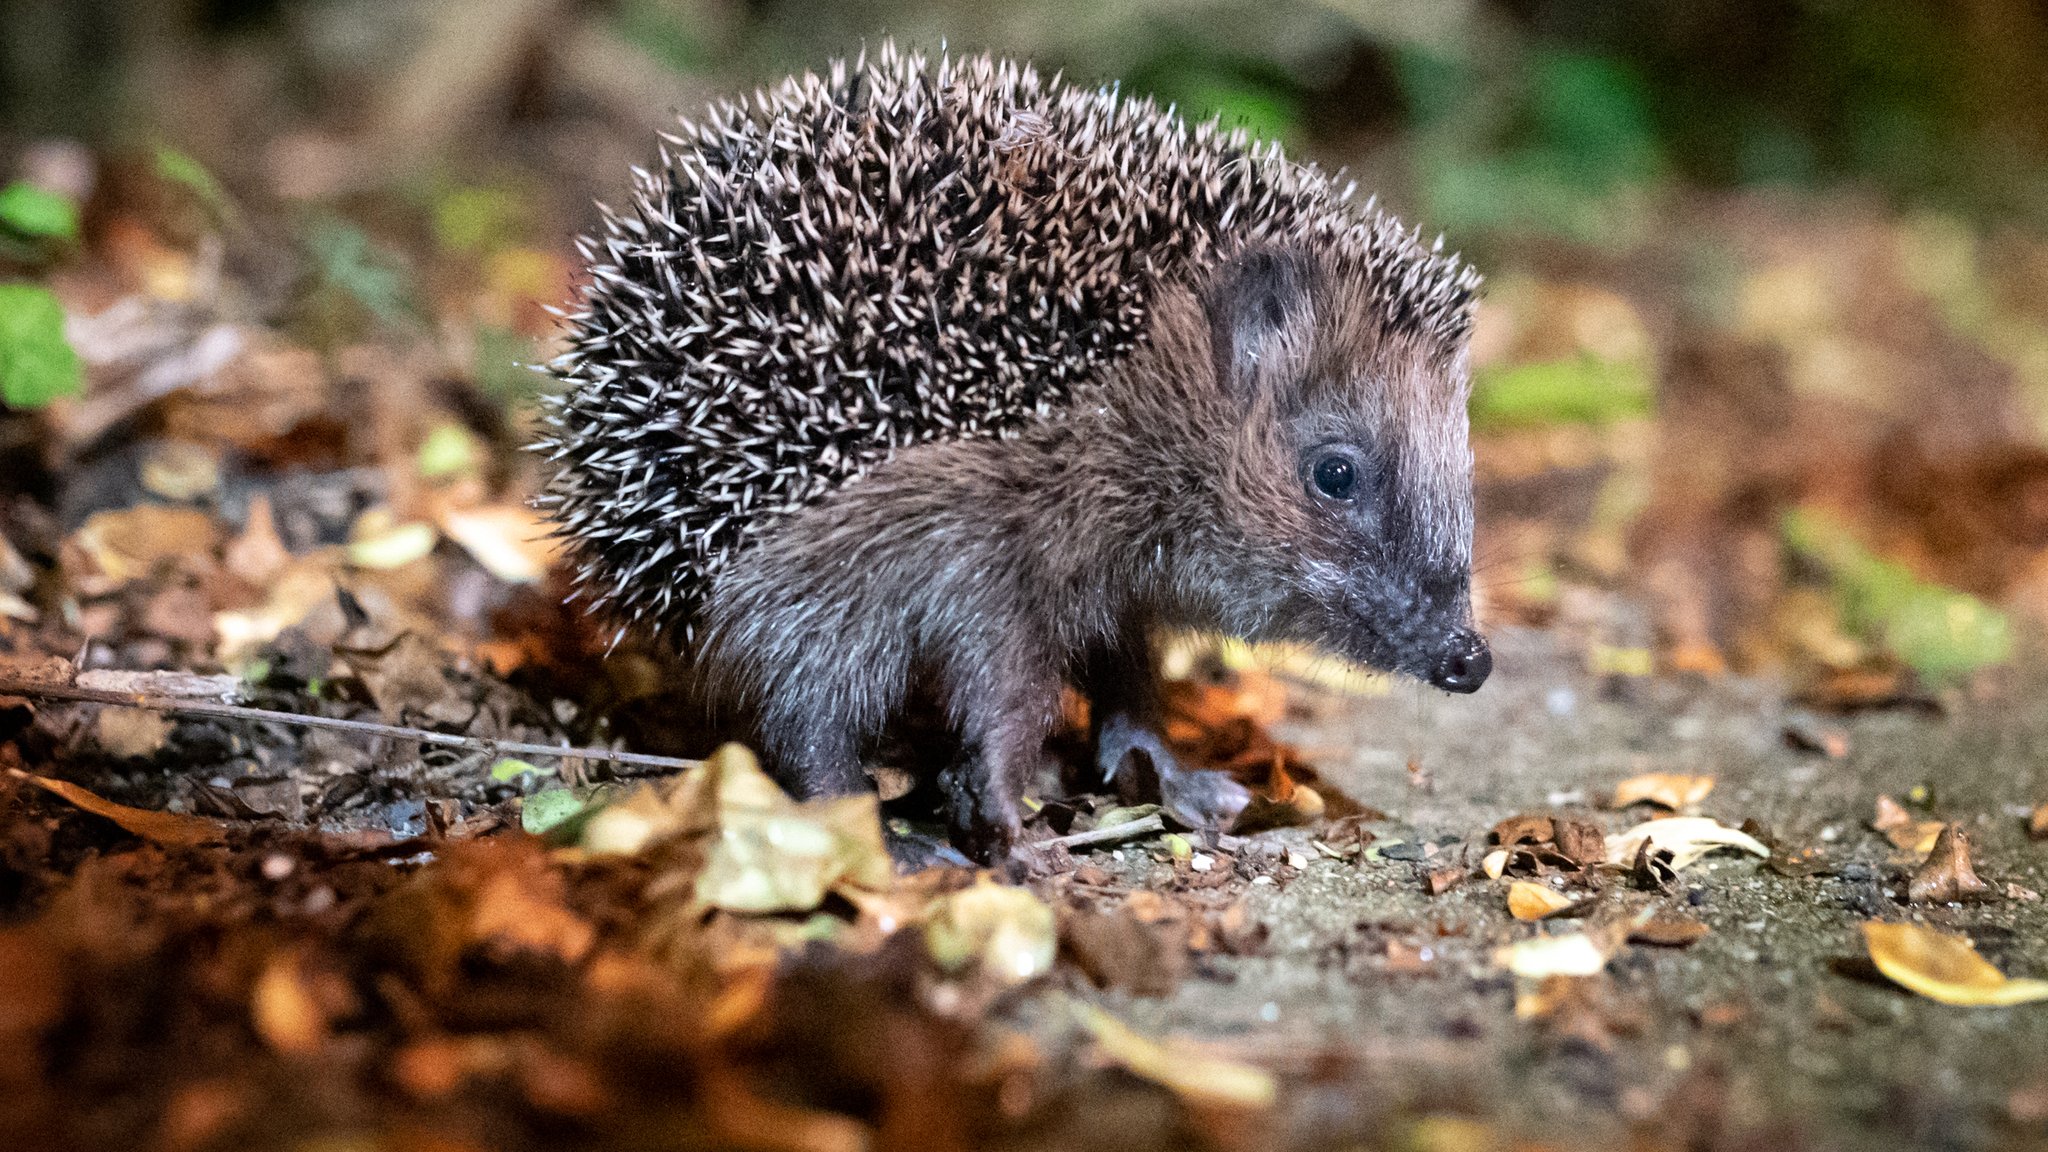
(1194, 797)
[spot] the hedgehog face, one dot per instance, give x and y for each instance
(1350, 473)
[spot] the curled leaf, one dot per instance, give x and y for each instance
(1904, 831)
(1948, 874)
(1944, 968)
(1687, 838)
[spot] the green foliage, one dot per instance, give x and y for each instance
(350, 271)
(505, 367)
(1248, 94)
(473, 221)
(508, 770)
(1551, 141)
(33, 214)
(181, 170)
(37, 365)
(450, 450)
(1583, 390)
(1938, 632)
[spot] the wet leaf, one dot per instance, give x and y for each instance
(1531, 901)
(1944, 968)
(1003, 932)
(1664, 789)
(1687, 838)
(1947, 875)
(1186, 1071)
(37, 363)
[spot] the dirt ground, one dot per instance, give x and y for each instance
(1769, 1032)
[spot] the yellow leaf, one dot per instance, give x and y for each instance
(1665, 789)
(1008, 931)
(1188, 1072)
(1529, 901)
(1944, 967)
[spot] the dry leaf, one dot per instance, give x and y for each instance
(1687, 838)
(1944, 967)
(1006, 932)
(157, 827)
(1188, 1072)
(1668, 932)
(129, 543)
(1905, 832)
(284, 1010)
(1664, 789)
(2037, 824)
(1530, 901)
(508, 540)
(130, 732)
(1567, 954)
(776, 855)
(1947, 875)
(1495, 863)
(258, 554)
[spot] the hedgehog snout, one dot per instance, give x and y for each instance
(1463, 662)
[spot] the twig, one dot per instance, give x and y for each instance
(191, 707)
(1114, 834)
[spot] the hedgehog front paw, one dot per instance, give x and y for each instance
(982, 821)
(1196, 798)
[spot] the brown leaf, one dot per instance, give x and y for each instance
(2037, 824)
(1523, 829)
(258, 554)
(1668, 932)
(157, 827)
(1529, 901)
(1582, 841)
(1121, 952)
(1947, 875)
(1902, 829)
(1441, 880)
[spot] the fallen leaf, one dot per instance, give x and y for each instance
(1495, 863)
(1005, 932)
(284, 1010)
(157, 827)
(1523, 830)
(1531, 901)
(2037, 824)
(1669, 932)
(258, 553)
(1188, 1072)
(776, 855)
(130, 732)
(1580, 841)
(508, 540)
(1687, 838)
(1947, 875)
(1664, 789)
(1944, 968)
(1123, 952)
(1567, 954)
(1900, 827)
(127, 544)
(380, 541)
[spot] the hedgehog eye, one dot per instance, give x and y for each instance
(1334, 476)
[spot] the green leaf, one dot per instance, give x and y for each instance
(507, 770)
(1940, 633)
(449, 450)
(542, 812)
(1582, 390)
(36, 214)
(37, 365)
(475, 221)
(175, 167)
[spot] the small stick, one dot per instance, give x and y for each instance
(193, 707)
(1114, 834)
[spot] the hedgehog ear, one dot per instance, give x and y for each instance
(1260, 319)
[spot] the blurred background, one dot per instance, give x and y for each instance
(1762, 368)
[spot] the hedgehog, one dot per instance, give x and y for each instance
(935, 380)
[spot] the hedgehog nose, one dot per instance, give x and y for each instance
(1463, 665)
